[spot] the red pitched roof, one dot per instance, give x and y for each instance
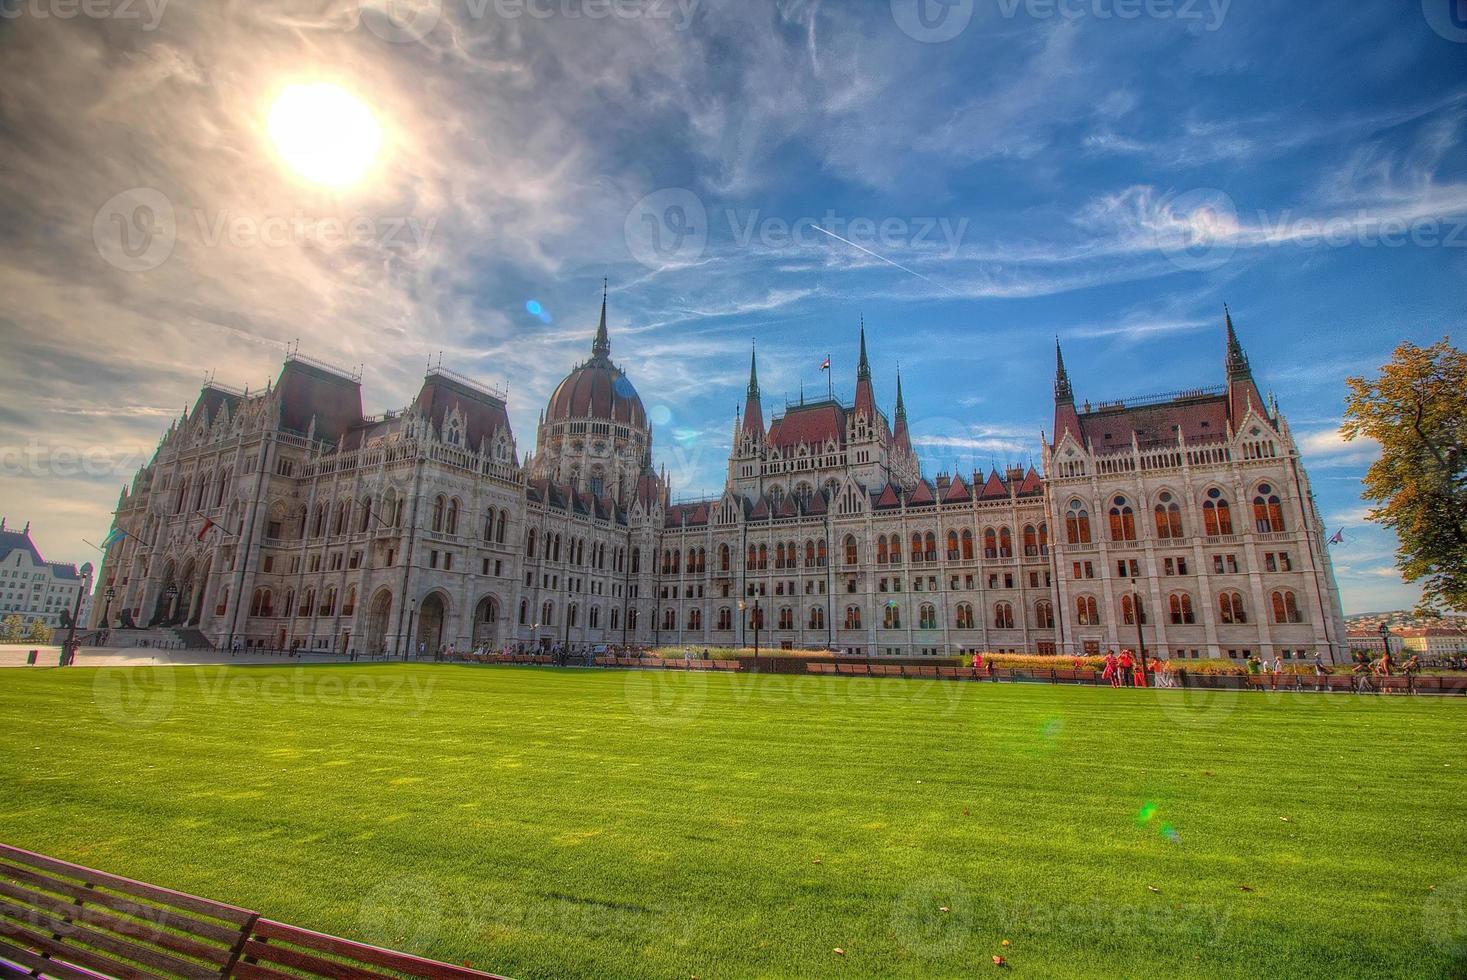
(809, 425)
(1032, 484)
(993, 487)
(1199, 419)
(922, 494)
(888, 497)
(957, 493)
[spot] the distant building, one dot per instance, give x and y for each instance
(34, 588)
(1432, 642)
(1367, 641)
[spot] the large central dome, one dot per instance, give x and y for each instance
(597, 389)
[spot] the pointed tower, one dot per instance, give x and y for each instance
(1066, 419)
(601, 346)
(865, 397)
(753, 413)
(900, 437)
(1243, 392)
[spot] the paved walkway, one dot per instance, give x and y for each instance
(15, 656)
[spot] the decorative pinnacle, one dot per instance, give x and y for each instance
(601, 346)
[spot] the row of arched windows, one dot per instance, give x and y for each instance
(1231, 609)
(208, 491)
(1217, 516)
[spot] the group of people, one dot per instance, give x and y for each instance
(1127, 670)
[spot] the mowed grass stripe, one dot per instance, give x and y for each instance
(600, 823)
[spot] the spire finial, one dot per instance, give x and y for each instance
(863, 369)
(601, 346)
(753, 370)
(1237, 360)
(901, 406)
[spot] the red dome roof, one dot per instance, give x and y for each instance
(597, 390)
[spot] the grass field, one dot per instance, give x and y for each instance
(546, 823)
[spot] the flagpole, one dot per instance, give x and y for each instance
(829, 378)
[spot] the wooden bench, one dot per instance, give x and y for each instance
(851, 669)
(820, 668)
(66, 922)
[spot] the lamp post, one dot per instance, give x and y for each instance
(1140, 641)
(412, 611)
(1385, 637)
(171, 594)
(68, 654)
(109, 595)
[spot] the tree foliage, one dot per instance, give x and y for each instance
(1417, 410)
(39, 632)
(12, 628)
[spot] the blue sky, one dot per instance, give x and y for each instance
(1048, 169)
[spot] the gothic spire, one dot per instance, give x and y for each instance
(1062, 390)
(901, 406)
(863, 369)
(753, 391)
(753, 413)
(601, 346)
(1238, 366)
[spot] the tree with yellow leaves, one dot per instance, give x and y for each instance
(1417, 411)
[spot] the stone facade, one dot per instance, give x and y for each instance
(288, 518)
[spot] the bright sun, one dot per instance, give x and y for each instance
(325, 133)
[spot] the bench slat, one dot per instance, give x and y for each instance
(75, 955)
(14, 916)
(197, 927)
(374, 955)
(254, 971)
(127, 886)
(308, 961)
(39, 964)
(147, 931)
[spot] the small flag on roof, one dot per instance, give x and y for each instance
(826, 365)
(208, 526)
(1339, 537)
(117, 535)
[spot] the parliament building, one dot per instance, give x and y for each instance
(288, 518)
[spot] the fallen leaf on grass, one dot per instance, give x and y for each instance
(839, 951)
(1153, 888)
(815, 861)
(1284, 819)
(943, 908)
(1246, 888)
(1000, 961)
(1005, 944)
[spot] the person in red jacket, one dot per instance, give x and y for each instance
(1128, 668)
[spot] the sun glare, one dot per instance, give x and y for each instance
(326, 134)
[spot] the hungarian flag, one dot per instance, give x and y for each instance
(117, 535)
(208, 526)
(1339, 537)
(826, 365)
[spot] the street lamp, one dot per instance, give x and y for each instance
(68, 655)
(109, 595)
(1140, 641)
(412, 611)
(171, 594)
(1385, 637)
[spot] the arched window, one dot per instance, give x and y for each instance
(1168, 516)
(763, 556)
(489, 525)
(1086, 612)
(632, 619)
(222, 606)
(967, 544)
(779, 555)
(853, 617)
(636, 568)
(725, 618)
(1131, 605)
(990, 543)
(1005, 543)
(916, 547)
(593, 619)
(328, 602)
(809, 553)
(530, 543)
(892, 617)
(817, 617)
(1077, 524)
(318, 527)
(1268, 511)
(524, 611)
(1181, 609)
(440, 504)
(501, 526)
(1044, 614)
(952, 546)
(289, 603)
(350, 605)
(1217, 517)
(257, 602)
(927, 617)
(896, 550)
(786, 618)
(1122, 520)
(880, 548)
(1230, 608)
(695, 619)
(365, 523)
(450, 525)
(547, 613)
(853, 553)
(1286, 608)
(308, 603)
(1044, 538)
(929, 546)
(1031, 542)
(821, 557)
(964, 616)
(1003, 616)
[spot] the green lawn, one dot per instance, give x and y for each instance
(547, 823)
